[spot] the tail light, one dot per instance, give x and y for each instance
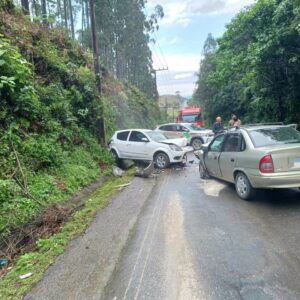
(266, 164)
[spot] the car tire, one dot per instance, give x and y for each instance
(161, 160)
(196, 143)
(202, 171)
(243, 187)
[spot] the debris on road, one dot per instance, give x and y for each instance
(25, 276)
(145, 171)
(121, 186)
(117, 172)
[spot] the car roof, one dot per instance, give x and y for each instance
(253, 127)
(137, 129)
(175, 123)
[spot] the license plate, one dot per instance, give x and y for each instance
(297, 162)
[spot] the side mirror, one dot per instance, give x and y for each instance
(145, 140)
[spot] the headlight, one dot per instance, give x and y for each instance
(175, 147)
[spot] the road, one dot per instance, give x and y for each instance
(196, 239)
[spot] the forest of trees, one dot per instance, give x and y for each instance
(122, 29)
(253, 70)
(51, 104)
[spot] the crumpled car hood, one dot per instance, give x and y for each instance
(182, 142)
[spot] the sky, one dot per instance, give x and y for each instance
(181, 36)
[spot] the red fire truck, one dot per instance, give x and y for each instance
(191, 114)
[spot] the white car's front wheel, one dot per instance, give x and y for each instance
(161, 160)
(196, 143)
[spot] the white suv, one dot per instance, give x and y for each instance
(196, 136)
(144, 144)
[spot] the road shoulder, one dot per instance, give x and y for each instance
(86, 266)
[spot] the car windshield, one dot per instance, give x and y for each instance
(274, 136)
(190, 118)
(157, 136)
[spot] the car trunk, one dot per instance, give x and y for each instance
(286, 158)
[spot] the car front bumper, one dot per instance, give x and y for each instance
(177, 156)
(276, 180)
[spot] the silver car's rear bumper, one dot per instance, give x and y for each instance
(276, 180)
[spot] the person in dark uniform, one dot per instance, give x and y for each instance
(218, 126)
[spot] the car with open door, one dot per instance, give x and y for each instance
(148, 145)
(253, 157)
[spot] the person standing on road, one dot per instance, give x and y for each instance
(218, 126)
(235, 121)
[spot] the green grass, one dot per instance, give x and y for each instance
(11, 287)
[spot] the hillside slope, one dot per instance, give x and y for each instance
(48, 117)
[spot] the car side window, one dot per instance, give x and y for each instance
(168, 128)
(234, 143)
(137, 136)
(178, 128)
(216, 145)
(122, 136)
(181, 128)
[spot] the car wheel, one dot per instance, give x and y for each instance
(196, 144)
(161, 160)
(202, 171)
(243, 186)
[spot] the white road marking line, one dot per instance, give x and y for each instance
(151, 244)
(145, 237)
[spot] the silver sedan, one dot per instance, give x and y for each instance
(252, 157)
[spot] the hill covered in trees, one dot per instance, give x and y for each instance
(50, 108)
(254, 69)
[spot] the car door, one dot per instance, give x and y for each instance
(121, 143)
(233, 146)
(183, 131)
(170, 131)
(138, 145)
(212, 156)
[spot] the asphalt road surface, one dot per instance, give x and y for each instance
(195, 239)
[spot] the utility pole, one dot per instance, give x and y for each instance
(101, 124)
(155, 77)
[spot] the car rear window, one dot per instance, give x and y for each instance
(274, 136)
(122, 135)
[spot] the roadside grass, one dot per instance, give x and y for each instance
(12, 287)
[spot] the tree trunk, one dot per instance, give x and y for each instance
(71, 19)
(87, 15)
(59, 14)
(44, 12)
(66, 14)
(25, 6)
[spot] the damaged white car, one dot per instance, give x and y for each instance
(148, 145)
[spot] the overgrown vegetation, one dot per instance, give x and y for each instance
(254, 69)
(12, 287)
(49, 112)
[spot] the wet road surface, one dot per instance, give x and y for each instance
(195, 239)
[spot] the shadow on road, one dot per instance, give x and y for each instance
(276, 197)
